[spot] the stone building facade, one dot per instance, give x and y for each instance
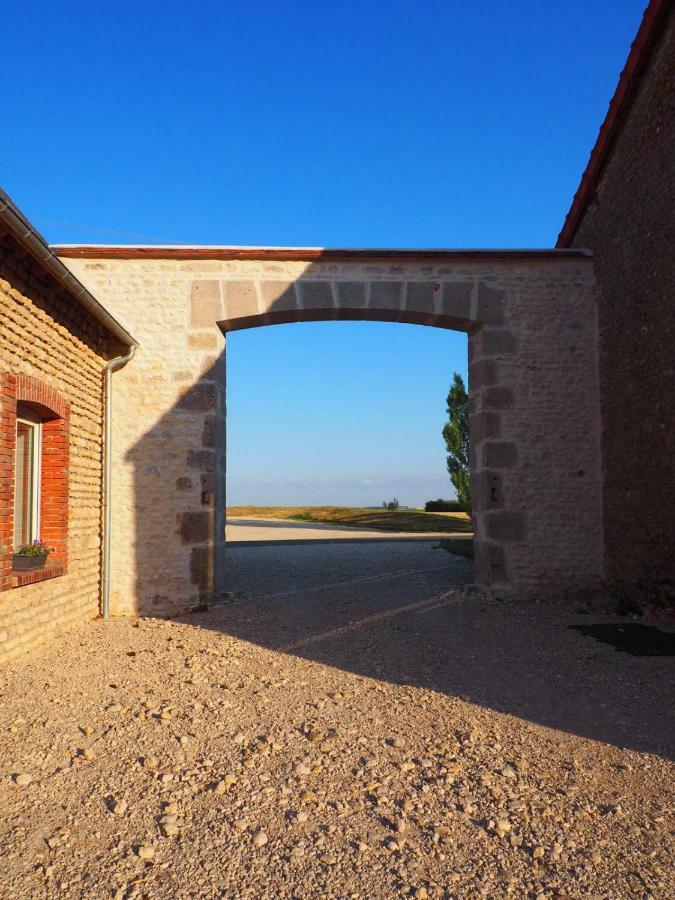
(624, 212)
(531, 323)
(52, 354)
(570, 375)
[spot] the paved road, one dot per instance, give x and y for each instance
(264, 531)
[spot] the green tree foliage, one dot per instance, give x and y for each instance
(456, 436)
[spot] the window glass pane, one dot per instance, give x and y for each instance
(23, 484)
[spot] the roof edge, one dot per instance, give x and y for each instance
(302, 254)
(653, 19)
(33, 242)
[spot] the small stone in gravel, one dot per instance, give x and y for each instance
(23, 780)
(259, 838)
(119, 807)
(146, 852)
(502, 827)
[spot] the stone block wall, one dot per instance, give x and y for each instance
(535, 437)
(52, 354)
(629, 224)
(533, 378)
(168, 440)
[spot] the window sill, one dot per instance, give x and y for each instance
(51, 570)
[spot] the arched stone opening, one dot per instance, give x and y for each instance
(530, 319)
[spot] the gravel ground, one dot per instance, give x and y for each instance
(348, 727)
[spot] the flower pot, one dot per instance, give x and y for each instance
(28, 563)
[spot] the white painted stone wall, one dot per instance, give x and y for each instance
(533, 382)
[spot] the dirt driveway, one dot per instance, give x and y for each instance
(251, 530)
(343, 727)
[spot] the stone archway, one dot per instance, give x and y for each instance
(531, 321)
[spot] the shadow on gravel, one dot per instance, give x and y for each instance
(632, 637)
(385, 612)
(285, 524)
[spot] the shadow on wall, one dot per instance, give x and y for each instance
(179, 500)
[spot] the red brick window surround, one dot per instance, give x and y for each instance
(53, 412)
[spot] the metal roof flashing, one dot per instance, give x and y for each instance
(308, 254)
(25, 234)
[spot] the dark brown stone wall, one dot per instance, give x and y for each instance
(629, 225)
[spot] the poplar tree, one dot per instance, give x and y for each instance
(456, 436)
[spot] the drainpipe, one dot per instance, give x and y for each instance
(111, 367)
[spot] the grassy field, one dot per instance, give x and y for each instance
(378, 519)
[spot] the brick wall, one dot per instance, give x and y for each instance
(630, 226)
(54, 413)
(52, 355)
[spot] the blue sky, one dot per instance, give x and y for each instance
(352, 124)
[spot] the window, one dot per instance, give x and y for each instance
(34, 476)
(27, 477)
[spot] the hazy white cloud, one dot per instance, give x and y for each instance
(361, 490)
